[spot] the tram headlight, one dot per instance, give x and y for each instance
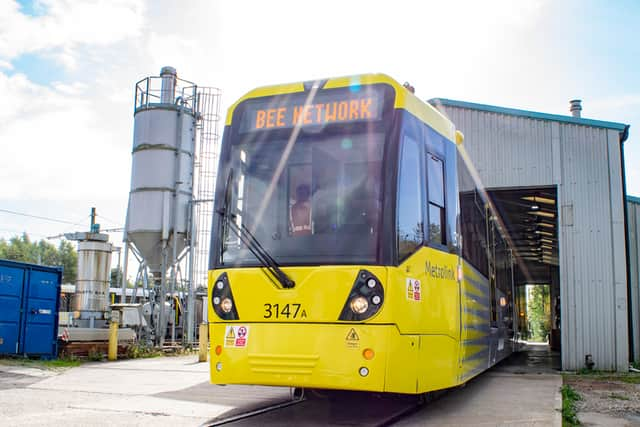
(365, 299)
(222, 299)
(226, 305)
(359, 305)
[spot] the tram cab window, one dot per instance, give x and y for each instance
(410, 225)
(435, 179)
(320, 204)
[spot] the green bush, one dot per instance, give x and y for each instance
(95, 355)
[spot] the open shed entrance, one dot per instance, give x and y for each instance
(529, 219)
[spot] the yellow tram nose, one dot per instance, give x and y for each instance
(311, 356)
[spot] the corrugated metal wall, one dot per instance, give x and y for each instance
(584, 163)
(633, 209)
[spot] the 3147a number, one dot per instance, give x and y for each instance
(287, 310)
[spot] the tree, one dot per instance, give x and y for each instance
(68, 258)
(539, 312)
(116, 274)
(42, 252)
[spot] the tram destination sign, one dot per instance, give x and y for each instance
(300, 109)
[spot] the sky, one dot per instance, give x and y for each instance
(68, 70)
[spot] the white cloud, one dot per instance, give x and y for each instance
(72, 140)
(73, 89)
(66, 26)
(28, 100)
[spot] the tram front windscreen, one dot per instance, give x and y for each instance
(306, 177)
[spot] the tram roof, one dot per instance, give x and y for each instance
(404, 98)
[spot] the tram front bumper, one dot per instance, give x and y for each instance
(331, 356)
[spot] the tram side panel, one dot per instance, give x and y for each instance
(426, 305)
(476, 329)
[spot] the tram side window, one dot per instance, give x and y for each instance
(410, 227)
(435, 180)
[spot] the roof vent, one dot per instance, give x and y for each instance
(575, 107)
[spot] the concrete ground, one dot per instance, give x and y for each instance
(171, 391)
(523, 390)
(496, 399)
(175, 391)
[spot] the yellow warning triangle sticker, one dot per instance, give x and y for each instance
(231, 334)
(352, 335)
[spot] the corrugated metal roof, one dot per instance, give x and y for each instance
(529, 114)
(633, 199)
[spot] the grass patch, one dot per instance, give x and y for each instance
(585, 371)
(68, 362)
(65, 362)
(569, 411)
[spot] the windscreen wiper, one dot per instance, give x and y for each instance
(246, 237)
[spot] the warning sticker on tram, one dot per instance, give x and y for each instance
(352, 340)
(236, 336)
(286, 112)
(414, 291)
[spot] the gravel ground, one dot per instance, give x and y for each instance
(607, 399)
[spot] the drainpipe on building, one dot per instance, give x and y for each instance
(623, 137)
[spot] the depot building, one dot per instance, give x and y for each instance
(558, 185)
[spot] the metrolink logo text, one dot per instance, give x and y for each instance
(440, 271)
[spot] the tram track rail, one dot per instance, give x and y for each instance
(335, 408)
(250, 414)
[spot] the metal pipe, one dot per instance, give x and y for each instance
(513, 299)
(93, 220)
(125, 266)
(177, 183)
(575, 107)
(139, 278)
(623, 137)
(168, 90)
(190, 266)
(161, 327)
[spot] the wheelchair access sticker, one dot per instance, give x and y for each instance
(236, 336)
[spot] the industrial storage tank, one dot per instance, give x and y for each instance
(162, 169)
(90, 302)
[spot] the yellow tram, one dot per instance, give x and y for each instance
(351, 248)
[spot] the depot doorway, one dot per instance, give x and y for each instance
(528, 216)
